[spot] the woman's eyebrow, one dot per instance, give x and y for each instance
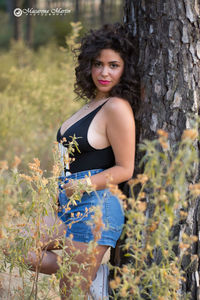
(113, 61)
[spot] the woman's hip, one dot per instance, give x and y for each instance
(109, 204)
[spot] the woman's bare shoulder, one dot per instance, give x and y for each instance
(118, 106)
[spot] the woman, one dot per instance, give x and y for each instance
(105, 132)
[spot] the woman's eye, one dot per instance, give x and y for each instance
(114, 66)
(97, 64)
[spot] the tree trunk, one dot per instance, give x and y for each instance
(29, 27)
(17, 21)
(9, 9)
(168, 36)
(77, 11)
(102, 11)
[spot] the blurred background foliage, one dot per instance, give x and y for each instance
(40, 29)
(37, 79)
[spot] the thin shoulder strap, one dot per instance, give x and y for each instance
(105, 101)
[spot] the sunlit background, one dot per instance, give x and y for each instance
(38, 30)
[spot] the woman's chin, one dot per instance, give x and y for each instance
(103, 89)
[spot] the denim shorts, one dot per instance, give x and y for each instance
(79, 218)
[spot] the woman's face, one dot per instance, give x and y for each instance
(107, 70)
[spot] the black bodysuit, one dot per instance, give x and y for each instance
(89, 158)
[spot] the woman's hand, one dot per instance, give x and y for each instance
(80, 186)
(69, 188)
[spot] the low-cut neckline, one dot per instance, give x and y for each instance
(81, 118)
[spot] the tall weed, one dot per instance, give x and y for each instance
(154, 269)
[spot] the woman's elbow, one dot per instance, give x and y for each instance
(129, 173)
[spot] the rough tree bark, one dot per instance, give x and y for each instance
(17, 21)
(30, 23)
(77, 11)
(168, 35)
(102, 11)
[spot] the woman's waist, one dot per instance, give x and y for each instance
(80, 174)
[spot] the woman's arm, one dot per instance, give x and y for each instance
(120, 130)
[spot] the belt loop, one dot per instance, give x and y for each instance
(67, 173)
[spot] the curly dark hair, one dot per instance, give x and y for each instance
(117, 37)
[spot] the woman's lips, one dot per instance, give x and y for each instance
(103, 81)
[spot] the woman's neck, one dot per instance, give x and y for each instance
(101, 96)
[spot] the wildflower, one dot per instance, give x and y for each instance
(3, 165)
(162, 133)
(166, 252)
(117, 280)
(35, 178)
(26, 177)
(16, 162)
(164, 198)
(53, 278)
(194, 238)
(185, 236)
(194, 186)
(44, 181)
(194, 257)
(137, 280)
(195, 189)
(164, 143)
(6, 192)
(153, 226)
(2, 235)
(56, 170)
(133, 181)
(40, 244)
(35, 166)
(113, 284)
(191, 134)
(183, 246)
(176, 196)
(183, 278)
(143, 178)
(98, 224)
(141, 195)
(21, 225)
(56, 244)
(9, 207)
(125, 269)
(183, 214)
(116, 191)
(123, 291)
(125, 205)
(142, 206)
(59, 260)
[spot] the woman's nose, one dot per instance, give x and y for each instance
(104, 71)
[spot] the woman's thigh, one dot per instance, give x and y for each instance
(85, 262)
(51, 231)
